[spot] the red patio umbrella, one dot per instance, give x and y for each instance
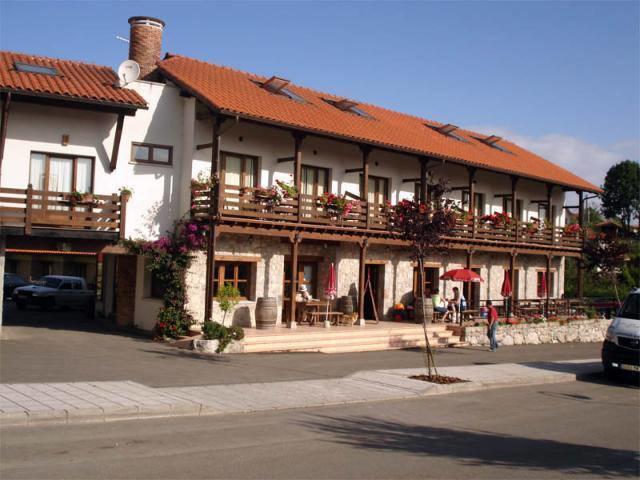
(506, 284)
(461, 275)
(542, 289)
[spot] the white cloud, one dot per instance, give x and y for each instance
(586, 160)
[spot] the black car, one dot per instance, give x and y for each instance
(11, 282)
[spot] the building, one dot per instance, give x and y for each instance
(187, 117)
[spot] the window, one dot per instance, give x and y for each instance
(158, 286)
(315, 180)
(61, 173)
(307, 275)
(236, 274)
(31, 68)
(542, 211)
(278, 86)
(348, 106)
(149, 153)
(378, 189)
(507, 205)
(448, 131)
(239, 170)
(478, 204)
(431, 280)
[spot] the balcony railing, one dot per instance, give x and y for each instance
(236, 205)
(35, 209)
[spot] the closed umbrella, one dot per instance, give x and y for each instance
(331, 290)
(506, 291)
(542, 288)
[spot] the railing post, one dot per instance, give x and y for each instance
(515, 214)
(297, 168)
(28, 211)
(472, 200)
(295, 244)
(123, 216)
(364, 195)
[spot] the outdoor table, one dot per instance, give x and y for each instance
(333, 317)
(470, 313)
(308, 309)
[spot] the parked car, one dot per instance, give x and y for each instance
(11, 282)
(621, 347)
(55, 291)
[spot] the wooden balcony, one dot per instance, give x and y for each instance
(240, 208)
(57, 214)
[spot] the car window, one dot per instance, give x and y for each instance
(631, 307)
(50, 282)
(77, 285)
(65, 286)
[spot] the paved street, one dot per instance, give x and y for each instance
(584, 429)
(66, 347)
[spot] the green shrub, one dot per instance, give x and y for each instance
(590, 312)
(224, 335)
(173, 322)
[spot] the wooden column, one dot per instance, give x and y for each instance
(472, 199)
(28, 211)
(364, 195)
(123, 216)
(6, 102)
(467, 285)
(549, 220)
(361, 278)
(547, 300)
(582, 222)
(297, 168)
(423, 179)
(295, 244)
(213, 216)
(116, 142)
(515, 214)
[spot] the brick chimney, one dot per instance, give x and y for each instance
(145, 42)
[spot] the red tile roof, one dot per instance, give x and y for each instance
(75, 81)
(232, 91)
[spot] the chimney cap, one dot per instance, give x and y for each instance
(151, 20)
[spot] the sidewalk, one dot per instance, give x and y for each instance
(69, 403)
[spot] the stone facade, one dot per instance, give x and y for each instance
(267, 256)
(579, 331)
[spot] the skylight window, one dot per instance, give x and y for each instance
(31, 68)
(448, 130)
(492, 141)
(278, 86)
(348, 106)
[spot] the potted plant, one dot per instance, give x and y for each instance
(125, 193)
(497, 220)
(75, 197)
(216, 337)
(534, 226)
(288, 190)
(202, 181)
(268, 196)
(228, 297)
(336, 206)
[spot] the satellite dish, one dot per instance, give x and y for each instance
(128, 72)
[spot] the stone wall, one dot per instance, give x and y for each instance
(578, 331)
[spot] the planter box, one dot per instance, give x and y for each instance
(210, 346)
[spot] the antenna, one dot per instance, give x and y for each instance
(128, 72)
(122, 39)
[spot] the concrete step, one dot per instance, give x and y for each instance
(378, 346)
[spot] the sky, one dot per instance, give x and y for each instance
(559, 78)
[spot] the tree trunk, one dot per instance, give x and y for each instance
(430, 362)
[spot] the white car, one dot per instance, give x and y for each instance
(55, 291)
(621, 347)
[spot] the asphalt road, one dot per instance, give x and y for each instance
(66, 347)
(584, 429)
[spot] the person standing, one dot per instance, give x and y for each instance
(492, 317)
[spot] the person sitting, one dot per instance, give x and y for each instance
(303, 294)
(440, 304)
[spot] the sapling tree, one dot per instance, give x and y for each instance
(228, 297)
(425, 226)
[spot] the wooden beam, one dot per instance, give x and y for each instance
(353, 170)
(548, 279)
(297, 168)
(6, 102)
(123, 216)
(353, 195)
(467, 285)
(213, 214)
(472, 198)
(295, 243)
(286, 160)
(116, 142)
(424, 161)
(361, 277)
(204, 146)
(366, 150)
(411, 180)
(461, 188)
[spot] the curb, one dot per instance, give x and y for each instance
(398, 386)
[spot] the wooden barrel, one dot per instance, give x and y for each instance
(428, 309)
(266, 313)
(345, 305)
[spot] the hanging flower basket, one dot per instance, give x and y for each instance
(497, 220)
(336, 206)
(269, 197)
(572, 230)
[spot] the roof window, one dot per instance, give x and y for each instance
(447, 130)
(31, 68)
(347, 105)
(492, 141)
(278, 86)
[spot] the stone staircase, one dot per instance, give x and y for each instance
(347, 339)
